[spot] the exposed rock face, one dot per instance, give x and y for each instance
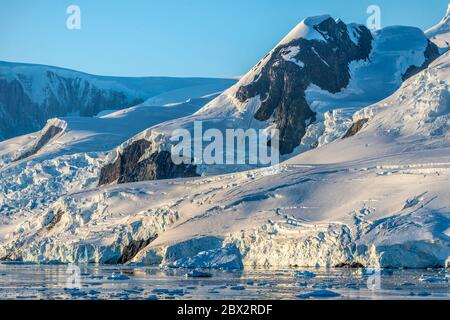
(321, 54)
(129, 168)
(282, 83)
(352, 265)
(355, 128)
(133, 248)
(31, 94)
(48, 135)
(431, 53)
(20, 113)
(15, 120)
(56, 219)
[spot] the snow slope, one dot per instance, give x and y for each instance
(440, 33)
(379, 198)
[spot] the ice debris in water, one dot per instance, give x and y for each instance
(304, 274)
(118, 277)
(198, 274)
(319, 294)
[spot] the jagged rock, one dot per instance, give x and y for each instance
(431, 53)
(282, 84)
(56, 218)
(133, 248)
(352, 265)
(48, 135)
(355, 128)
(20, 113)
(129, 168)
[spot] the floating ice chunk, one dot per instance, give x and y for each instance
(198, 274)
(301, 284)
(237, 288)
(173, 292)
(118, 277)
(433, 279)
(304, 274)
(319, 294)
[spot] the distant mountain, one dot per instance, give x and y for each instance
(440, 33)
(308, 87)
(32, 94)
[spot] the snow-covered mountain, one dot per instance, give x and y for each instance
(377, 198)
(308, 87)
(440, 33)
(32, 94)
(365, 121)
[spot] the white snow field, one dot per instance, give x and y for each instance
(379, 198)
(440, 33)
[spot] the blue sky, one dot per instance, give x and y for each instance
(215, 38)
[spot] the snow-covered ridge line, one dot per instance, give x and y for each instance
(53, 128)
(440, 33)
(42, 92)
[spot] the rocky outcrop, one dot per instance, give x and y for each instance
(133, 248)
(431, 53)
(352, 265)
(128, 166)
(21, 113)
(56, 219)
(281, 85)
(31, 94)
(355, 128)
(18, 114)
(48, 135)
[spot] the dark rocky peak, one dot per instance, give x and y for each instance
(130, 167)
(431, 53)
(294, 66)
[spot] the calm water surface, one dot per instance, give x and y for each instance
(32, 281)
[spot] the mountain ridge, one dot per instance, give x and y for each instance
(258, 100)
(32, 94)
